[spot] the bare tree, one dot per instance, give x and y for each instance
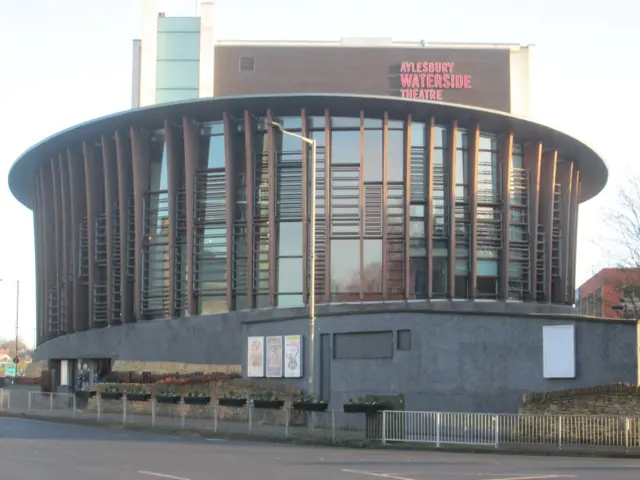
(622, 219)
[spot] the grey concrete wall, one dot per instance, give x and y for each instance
(471, 363)
(211, 339)
(465, 356)
(216, 339)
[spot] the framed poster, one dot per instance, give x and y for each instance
(293, 356)
(274, 357)
(255, 357)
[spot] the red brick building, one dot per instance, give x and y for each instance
(611, 293)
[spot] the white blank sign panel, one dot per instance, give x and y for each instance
(559, 351)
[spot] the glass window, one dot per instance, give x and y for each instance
(372, 256)
(215, 154)
(290, 275)
(178, 46)
(373, 156)
(487, 268)
(419, 276)
(395, 152)
(345, 122)
(209, 305)
(175, 95)
(517, 156)
(440, 273)
(316, 123)
(178, 24)
(345, 147)
(290, 301)
(158, 163)
(290, 123)
(177, 74)
(290, 239)
(345, 266)
(440, 139)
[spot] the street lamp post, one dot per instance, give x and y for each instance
(17, 313)
(312, 254)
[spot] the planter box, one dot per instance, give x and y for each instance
(84, 394)
(364, 408)
(111, 395)
(271, 404)
(197, 400)
(138, 397)
(310, 406)
(167, 399)
(232, 402)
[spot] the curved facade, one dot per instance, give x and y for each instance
(201, 207)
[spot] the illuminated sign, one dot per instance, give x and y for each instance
(428, 80)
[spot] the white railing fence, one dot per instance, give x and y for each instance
(549, 432)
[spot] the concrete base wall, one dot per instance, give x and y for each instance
(464, 356)
(459, 362)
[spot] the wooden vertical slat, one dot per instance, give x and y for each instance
(175, 177)
(428, 203)
(453, 146)
(473, 147)
(140, 161)
(547, 188)
(533, 164)
(249, 161)
(385, 216)
(191, 154)
(77, 197)
(66, 292)
(41, 261)
(57, 238)
(573, 243)
(408, 289)
(231, 185)
(48, 234)
(110, 171)
(306, 217)
(327, 197)
(92, 213)
(271, 184)
(125, 187)
(362, 205)
(505, 151)
(565, 178)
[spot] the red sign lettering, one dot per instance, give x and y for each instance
(427, 80)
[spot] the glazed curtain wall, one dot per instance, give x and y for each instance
(191, 218)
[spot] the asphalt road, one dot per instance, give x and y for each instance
(33, 450)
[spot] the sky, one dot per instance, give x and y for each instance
(68, 61)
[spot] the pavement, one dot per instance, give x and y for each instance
(33, 450)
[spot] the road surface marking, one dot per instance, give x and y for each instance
(381, 475)
(535, 477)
(162, 475)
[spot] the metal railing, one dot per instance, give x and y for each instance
(505, 431)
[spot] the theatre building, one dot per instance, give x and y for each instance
(445, 225)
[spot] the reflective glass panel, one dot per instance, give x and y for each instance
(345, 147)
(373, 156)
(395, 152)
(345, 266)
